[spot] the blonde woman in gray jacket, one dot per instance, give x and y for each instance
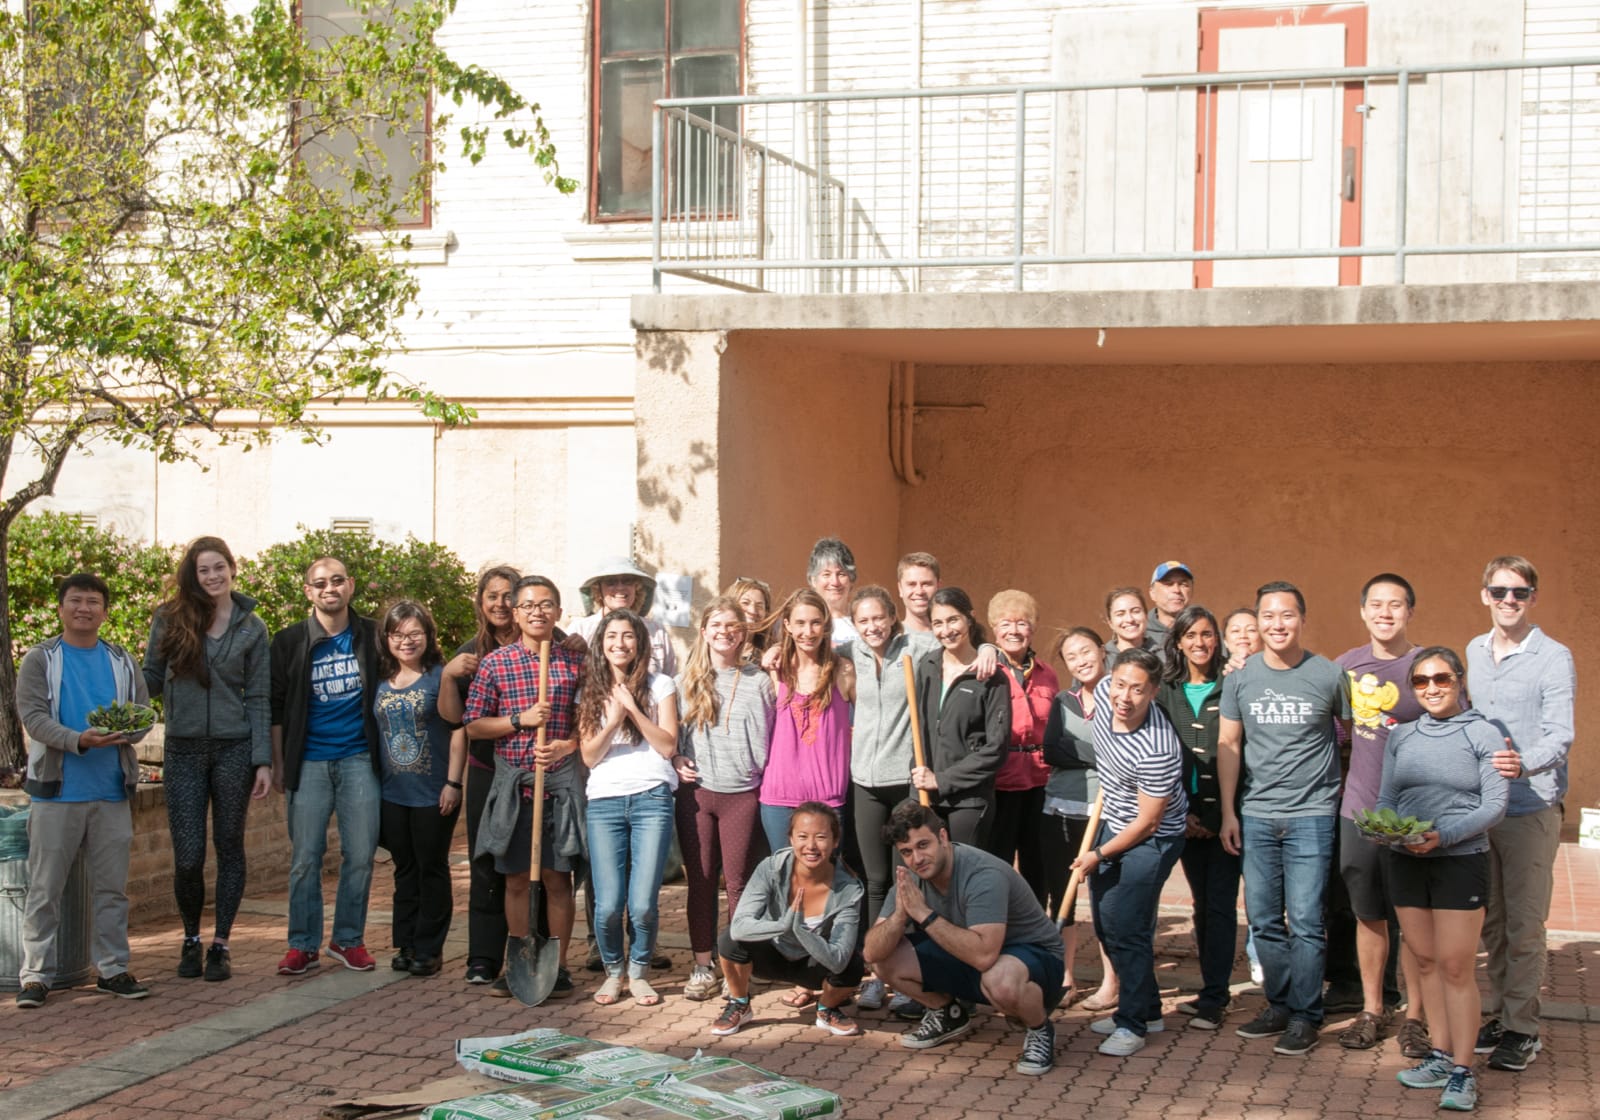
(207, 659)
(798, 922)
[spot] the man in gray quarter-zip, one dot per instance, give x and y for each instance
(1524, 682)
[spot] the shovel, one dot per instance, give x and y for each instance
(1069, 897)
(916, 721)
(533, 961)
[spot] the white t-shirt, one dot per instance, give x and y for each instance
(633, 767)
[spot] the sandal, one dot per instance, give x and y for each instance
(609, 992)
(1095, 1003)
(643, 994)
(1363, 1033)
(799, 997)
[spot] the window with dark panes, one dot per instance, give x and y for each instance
(396, 149)
(648, 49)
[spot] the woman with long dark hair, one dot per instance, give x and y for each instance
(1140, 763)
(1191, 696)
(418, 705)
(207, 659)
(627, 722)
(486, 907)
(724, 732)
(966, 721)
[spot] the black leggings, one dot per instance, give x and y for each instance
(486, 891)
(870, 809)
(419, 840)
(1018, 834)
(198, 772)
(1060, 839)
(769, 964)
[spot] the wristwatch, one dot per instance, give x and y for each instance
(516, 721)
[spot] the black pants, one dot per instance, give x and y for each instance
(198, 773)
(870, 809)
(486, 890)
(1060, 841)
(1213, 874)
(769, 964)
(1343, 968)
(1017, 832)
(969, 822)
(419, 840)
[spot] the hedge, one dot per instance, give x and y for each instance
(46, 547)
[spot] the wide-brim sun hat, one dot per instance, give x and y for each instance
(609, 568)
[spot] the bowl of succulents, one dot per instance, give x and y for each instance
(134, 721)
(1388, 827)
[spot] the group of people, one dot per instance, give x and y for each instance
(894, 792)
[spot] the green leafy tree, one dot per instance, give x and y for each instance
(197, 212)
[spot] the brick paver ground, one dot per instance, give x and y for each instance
(401, 1035)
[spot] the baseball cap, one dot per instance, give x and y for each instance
(1167, 567)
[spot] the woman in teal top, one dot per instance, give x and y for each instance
(1190, 694)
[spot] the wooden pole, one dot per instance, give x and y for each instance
(916, 721)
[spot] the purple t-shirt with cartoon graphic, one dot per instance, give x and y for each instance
(1381, 699)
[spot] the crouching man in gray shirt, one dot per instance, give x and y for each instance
(962, 925)
(1524, 682)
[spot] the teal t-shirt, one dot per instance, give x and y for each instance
(1196, 694)
(87, 683)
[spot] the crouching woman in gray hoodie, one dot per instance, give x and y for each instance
(1440, 768)
(798, 922)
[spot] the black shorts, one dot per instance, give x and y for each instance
(1361, 866)
(942, 972)
(520, 851)
(767, 963)
(1438, 882)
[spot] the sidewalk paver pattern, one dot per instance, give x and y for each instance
(261, 1045)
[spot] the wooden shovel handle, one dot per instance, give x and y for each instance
(916, 721)
(1069, 897)
(538, 767)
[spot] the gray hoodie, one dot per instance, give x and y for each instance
(39, 705)
(880, 734)
(764, 914)
(1442, 770)
(236, 705)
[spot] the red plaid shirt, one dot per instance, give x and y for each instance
(507, 681)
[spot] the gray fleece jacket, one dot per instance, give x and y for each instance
(39, 705)
(236, 705)
(1442, 771)
(764, 914)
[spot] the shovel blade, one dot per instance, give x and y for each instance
(531, 966)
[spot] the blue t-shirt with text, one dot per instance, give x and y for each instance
(87, 683)
(334, 729)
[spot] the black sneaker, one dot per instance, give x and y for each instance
(939, 1024)
(1206, 1018)
(1489, 1036)
(1269, 1022)
(1038, 1050)
(563, 988)
(1298, 1038)
(122, 985)
(1343, 997)
(218, 965)
(1515, 1051)
(189, 960)
(32, 995)
(480, 972)
(402, 961)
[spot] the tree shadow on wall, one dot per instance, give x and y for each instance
(663, 352)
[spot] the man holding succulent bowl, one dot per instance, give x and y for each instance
(82, 704)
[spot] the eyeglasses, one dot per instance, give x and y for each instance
(544, 606)
(1443, 680)
(1520, 594)
(410, 638)
(331, 581)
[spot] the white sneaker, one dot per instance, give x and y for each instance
(870, 997)
(1109, 1026)
(1258, 976)
(1122, 1043)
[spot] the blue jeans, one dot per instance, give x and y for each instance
(347, 788)
(1127, 893)
(775, 824)
(1286, 862)
(628, 842)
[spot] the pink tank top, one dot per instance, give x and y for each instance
(810, 755)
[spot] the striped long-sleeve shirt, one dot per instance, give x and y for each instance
(1148, 760)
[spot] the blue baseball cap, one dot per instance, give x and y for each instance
(1167, 567)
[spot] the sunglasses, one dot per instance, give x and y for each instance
(324, 584)
(1520, 594)
(1443, 680)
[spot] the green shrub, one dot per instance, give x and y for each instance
(45, 548)
(383, 571)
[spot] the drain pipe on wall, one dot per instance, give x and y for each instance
(903, 411)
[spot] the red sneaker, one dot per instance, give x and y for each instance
(352, 956)
(296, 961)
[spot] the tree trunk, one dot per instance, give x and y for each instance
(13, 748)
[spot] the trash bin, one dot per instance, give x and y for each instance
(72, 939)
